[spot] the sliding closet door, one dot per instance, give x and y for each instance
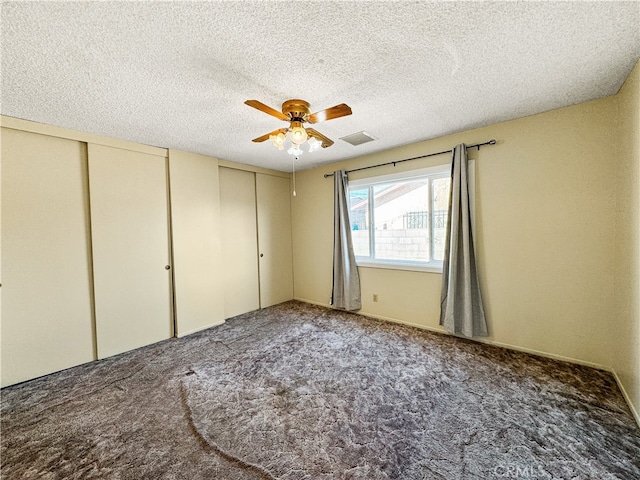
(130, 230)
(273, 195)
(195, 223)
(239, 241)
(46, 285)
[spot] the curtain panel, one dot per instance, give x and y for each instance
(346, 280)
(461, 309)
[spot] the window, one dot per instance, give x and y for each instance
(400, 220)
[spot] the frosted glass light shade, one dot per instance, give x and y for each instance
(314, 144)
(298, 135)
(295, 150)
(278, 140)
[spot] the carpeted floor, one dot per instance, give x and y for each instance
(298, 392)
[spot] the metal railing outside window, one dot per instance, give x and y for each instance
(420, 219)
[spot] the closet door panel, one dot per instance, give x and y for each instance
(239, 241)
(274, 239)
(47, 322)
(195, 223)
(130, 231)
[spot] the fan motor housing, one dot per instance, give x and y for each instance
(296, 108)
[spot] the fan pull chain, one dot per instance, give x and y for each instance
(293, 163)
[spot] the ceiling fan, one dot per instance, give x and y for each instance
(296, 112)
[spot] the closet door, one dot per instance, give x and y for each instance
(239, 241)
(273, 195)
(130, 231)
(47, 320)
(195, 223)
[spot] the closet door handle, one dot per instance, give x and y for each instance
(167, 267)
(261, 255)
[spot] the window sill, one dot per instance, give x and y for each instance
(391, 265)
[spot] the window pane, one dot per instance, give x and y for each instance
(401, 215)
(440, 192)
(359, 218)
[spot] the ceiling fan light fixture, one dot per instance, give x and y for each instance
(295, 150)
(296, 112)
(314, 144)
(278, 140)
(298, 133)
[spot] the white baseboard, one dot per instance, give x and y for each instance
(508, 346)
(626, 396)
(552, 356)
(404, 322)
(496, 344)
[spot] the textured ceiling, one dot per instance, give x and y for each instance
(176, 74)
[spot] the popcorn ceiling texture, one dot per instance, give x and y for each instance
(299, 392)
(176, 74)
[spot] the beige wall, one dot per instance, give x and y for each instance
(558, 235)
(545, 209)
(626, 351)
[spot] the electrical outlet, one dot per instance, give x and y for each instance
(375, 297)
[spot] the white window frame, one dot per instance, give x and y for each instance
(433, 172)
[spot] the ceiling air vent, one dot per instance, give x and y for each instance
(358, 138)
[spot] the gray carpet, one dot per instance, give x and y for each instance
(302, 392)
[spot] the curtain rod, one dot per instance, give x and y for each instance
(477, 145)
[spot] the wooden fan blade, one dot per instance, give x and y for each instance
(326, 141)
(338, 111)
(266, 109)
(266, 136)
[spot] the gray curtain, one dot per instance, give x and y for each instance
(461, 309)
(346, 281)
